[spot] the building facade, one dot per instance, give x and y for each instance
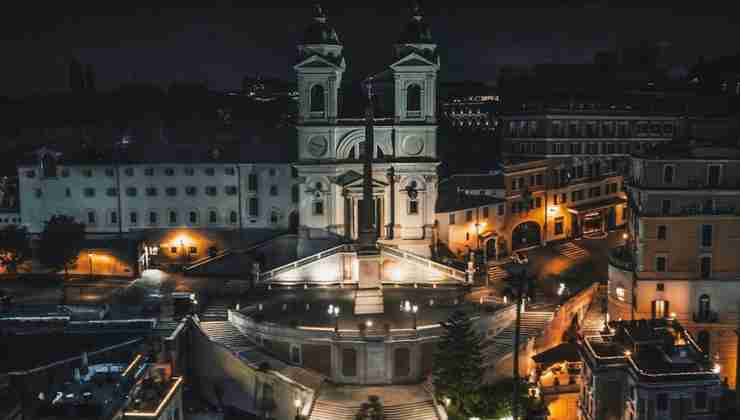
(681, 258)
(331, 142)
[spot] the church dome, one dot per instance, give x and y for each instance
(416, 31)
(319, 31)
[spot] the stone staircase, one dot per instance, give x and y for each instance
(532, 325)
(572, 251)
(368, 301)
(593, 322)
(215, 310)
(332, 410)
(497, 273)
(223, 332)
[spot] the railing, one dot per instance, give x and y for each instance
(271, 274)
(706, 317)
(621, 257)
(206, 260)
(425, 262)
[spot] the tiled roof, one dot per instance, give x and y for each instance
(453, 201)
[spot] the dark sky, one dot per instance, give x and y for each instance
(221, 43)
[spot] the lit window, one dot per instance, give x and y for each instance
(620, 293)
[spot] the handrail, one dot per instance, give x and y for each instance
(453, 272)
(270, 274)
(205, 260)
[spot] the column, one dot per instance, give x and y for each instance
(399, 98)
(331, 109)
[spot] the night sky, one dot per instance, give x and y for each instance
(222, 43)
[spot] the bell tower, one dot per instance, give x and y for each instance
(319, 71)
(415, 72)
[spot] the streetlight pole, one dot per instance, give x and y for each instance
(334, 311)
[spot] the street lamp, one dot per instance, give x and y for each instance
(90, 256)
(413, 309)
(334, 311)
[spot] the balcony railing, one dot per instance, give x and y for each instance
(706, 317)
(621, 257)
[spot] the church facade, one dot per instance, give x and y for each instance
(331, 143)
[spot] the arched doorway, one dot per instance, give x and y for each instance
(491, 248)
(525, 235)
(293, 222)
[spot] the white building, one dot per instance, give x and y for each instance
(159, 186)
(331, 136)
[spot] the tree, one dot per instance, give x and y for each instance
(495, 400)
(61, 242)
(458, 370)
(15, 247)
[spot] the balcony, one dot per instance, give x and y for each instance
(621, 257)
(707, 317)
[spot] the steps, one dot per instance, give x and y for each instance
(532, 324)
(215, 310)
(330, 410)
(368, 301)
(593, 322)
(572, 251)
(223, 332)
(497, 273)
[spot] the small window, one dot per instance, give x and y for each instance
(295, 193)
(295, 354)
(274, 217)
(318, 207)
(193, 217)
(485, 212)
(193, 250)
(413, 207)
(662, 232)
(660, 287)
(189, 171)
(705, 267)
(212, 216)
(559, 222)
(191, 190)
(273, 190)
(665, 207)
(91, 217)
(271, 171)
(169, 171)
(668, 174)
(211, 190)
(149, 171)
(660, 264)
(129, 171)
(252, 182)
(133, 218)
(229, 171)
(111, 192)
(67, 192)
(87, 173)
(113, 218)
(153, 217)
(89, 192)
(317, 98)
(173, 249)
(413, 98)
(210, 171)
(706, 236)
(230, 190)
(253, 207)
(151, 191)
(173, 217)
(452, 218)
(171, 191)
(109, 172)
(469, 215)
(232, 217)
(131, 191)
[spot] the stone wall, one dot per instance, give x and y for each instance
(574, 308)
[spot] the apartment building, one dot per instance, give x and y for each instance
(681, 256)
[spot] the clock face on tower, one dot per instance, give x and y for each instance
(317, 146)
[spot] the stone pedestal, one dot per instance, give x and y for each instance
(369, 296)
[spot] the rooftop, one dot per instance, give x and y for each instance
(693, 149)
(454, 201)
(654, 350)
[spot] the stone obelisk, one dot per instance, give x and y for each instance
(369, 296)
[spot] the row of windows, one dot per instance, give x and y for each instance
(110, 172)
(579, 148)
(173, 216)
(706, 235)
(714, 174)
(574, 128)
(705, 265)
(154, 191)
(534, 180)
(10, 219)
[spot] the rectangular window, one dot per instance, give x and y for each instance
(149, 171)
(91, 217)
(253, 210)
(113, 218)
(318, 207)
(295, 193)
(109, 172)
(668, 174)
(452, 218)
(169, 171)
(210, 171)
(89, 192)
(501, 209)
(558, 148)
(575, 148)
(660, 287)
(229, 171)
(662, 232)
(171, 191)
(665, 207)
(191, 191)
(485, 212)
(133, 218)
(660, 264)
(230, 189)
(211, 190)
(714, 175)
(111, 192)
(706, 236)
(273, 190)
(469, 215)
(413, 207)
(705, 266)
(129, 171)
(193, 250)
(131, 191)
(153, 217)
(559, 225)
(173, 217)
(252, 182)
(151, 191)
(189, 171)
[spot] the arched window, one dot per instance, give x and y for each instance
(212, 216)
(317, 98)
(49, 166)
(232, 217)
(413, 98)
(193, 217)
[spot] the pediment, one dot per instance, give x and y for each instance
(317, 62)
(353, 179)
(412, 60)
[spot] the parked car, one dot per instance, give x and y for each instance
(520, 257)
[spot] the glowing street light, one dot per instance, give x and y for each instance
(334, 311)
(413, 309)
(297, 403)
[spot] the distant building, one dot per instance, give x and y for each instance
(647, 369)
(558, 380)
(681, 255)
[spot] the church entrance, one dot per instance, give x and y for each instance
(377, 216)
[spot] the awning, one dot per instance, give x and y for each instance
(597, 205)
